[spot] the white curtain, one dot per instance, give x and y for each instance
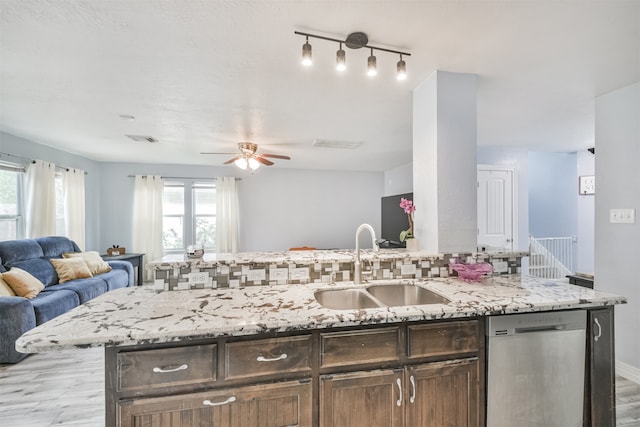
(226, 215)
(40, 203)
(73, 194)
(147, 218)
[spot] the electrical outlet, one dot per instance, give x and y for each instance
(622, 216)
(407, 269)
(198, 277)
(301, 273)
(500, 266)
(278, 273)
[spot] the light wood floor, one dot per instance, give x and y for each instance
(67, 389)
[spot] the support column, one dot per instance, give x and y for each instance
(444, 163)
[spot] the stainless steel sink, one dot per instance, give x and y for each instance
(397, 295)
(345, 299)
(389, 295)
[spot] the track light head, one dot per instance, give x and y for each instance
(306, 54)
(372, 68)
(402, 69)
(341, 61)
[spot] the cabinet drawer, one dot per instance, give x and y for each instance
(441, 339)
(247, 359)
(166, 367)
(359, 347)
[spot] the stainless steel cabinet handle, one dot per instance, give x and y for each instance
(224, 402)
(399, 401)
(413, 389)
(272, 359)
(599, 334)
(179, 368)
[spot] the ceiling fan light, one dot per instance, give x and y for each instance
(253, 163)
(241, 163)
(341, 60)
(402, 70)
(306, 54)
(372, 68)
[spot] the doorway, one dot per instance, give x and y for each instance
(496, 208)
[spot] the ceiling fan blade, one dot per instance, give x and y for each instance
(233, 159)
(275, 156)
(262, 160)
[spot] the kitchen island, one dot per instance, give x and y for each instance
(239, 354)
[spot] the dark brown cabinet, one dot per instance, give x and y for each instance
(267, 405)
(600, 400)
(431, 394)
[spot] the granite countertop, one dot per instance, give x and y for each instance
(142, 316)
(301, 257)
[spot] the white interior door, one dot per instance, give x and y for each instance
(495, 208)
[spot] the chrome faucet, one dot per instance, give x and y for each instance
(357, 273)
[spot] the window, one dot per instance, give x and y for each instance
(189, 215)
(11, 211)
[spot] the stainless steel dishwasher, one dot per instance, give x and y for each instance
(536, 368)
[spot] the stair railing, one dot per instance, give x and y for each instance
(550, 257)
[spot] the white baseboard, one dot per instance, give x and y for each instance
(628, 371)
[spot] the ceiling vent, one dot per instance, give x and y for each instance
(142, 138)
(329, 143)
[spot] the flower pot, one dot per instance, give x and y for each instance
(412, 245)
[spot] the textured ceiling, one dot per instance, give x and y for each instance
(204, 75)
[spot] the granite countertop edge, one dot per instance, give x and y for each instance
(133, 316)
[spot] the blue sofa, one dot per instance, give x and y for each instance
(18, 315)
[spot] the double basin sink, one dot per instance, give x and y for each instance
(375, 296)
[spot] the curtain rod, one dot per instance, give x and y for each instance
(183, 177)
(33, 161)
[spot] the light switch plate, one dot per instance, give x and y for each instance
(622, 216)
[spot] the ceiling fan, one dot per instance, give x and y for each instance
(250, 157)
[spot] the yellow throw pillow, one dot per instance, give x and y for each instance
(23, 283)
(71, 269)
(5, 289)
(93, 259)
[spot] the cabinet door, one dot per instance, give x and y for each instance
(444, 394)
(601, 374)
(268, 405)
(362, 399)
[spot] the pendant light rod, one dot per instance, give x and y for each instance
(397, 52)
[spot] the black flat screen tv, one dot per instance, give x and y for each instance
(394, 220)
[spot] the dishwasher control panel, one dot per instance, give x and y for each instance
(536, 322)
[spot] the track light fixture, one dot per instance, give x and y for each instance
(306, 54)
(341, 61)
(355, 40)
(372, 68)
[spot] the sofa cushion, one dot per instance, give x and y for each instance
(55, 246)
(49, 304)
(17, 318)
(93, 259)
(12, 251)
(87, 289)
(40, 268)
(69, 269)
(23, 283)
(115, 279)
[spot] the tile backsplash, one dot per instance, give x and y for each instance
(230, 274)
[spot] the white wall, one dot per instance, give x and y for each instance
(617, 136)
(24, 148)
(279, 208)
(586, 217)
(398, 180)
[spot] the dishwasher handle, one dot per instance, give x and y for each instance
(545, 328)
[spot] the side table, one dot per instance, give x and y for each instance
(134, 259)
